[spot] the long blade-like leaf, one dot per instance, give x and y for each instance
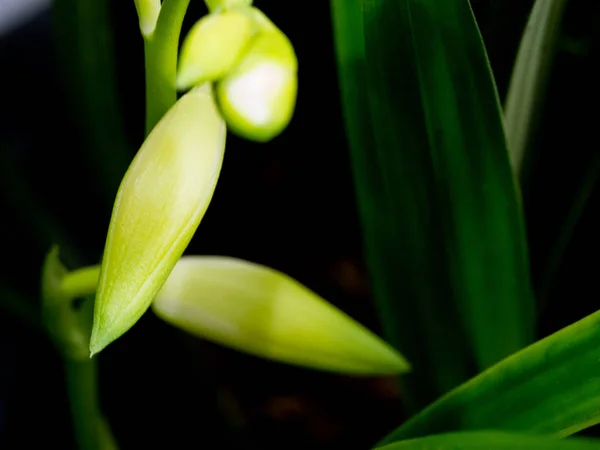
(551, 387)
(415, 326)
(530, 76)
(442, 224)
(492, 441)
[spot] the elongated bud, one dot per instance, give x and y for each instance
(148, 11)
(257, 99)
(160, 203)
(213, 46)
(258, 310)
(216, 5)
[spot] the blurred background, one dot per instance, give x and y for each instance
(288, 204)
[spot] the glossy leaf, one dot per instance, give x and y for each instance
(160, 203)
(530, 77)
(442, 224)
(491, 440)
(259, 310)
(552, 387)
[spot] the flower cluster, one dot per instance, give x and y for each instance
(253, 66)
(238, 72)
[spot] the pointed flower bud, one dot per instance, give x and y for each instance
(257, 99)
(216, 5)
(214, 45)
(160, 203)
(148, 11)
(258, 310)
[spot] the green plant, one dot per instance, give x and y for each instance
(440, 207)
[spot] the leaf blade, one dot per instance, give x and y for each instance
(492, 440)
(550, 387)
(463, 113)
(530, 77)
(441, 221)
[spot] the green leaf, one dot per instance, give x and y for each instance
(415, 327)
(442, 225)
(492, 440)
(530, 77)
(552, 387)
(259, 310)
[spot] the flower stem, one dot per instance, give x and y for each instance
(88, 422)
(161, 50)
(69, 328)
(81, 282)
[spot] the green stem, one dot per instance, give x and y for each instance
(161, 50)
(90, 430)
(81, 282)
(69, 328)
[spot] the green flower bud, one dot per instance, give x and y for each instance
(257, 99)
(258, 310)
(148, 11)
(262, 20)
(216, 5)
(160, 203)
(213, 46)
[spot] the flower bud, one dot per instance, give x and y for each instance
(148, 11)
(258, 310)
(257, 99)
(216, 5)
(213, 46)
(160, 203)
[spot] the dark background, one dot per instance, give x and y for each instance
(289, 204)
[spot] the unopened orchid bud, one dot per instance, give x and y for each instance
(216, 5)
(257, 99)
(261, 311)
(160, 203)
(214, 45)
(148, 11)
